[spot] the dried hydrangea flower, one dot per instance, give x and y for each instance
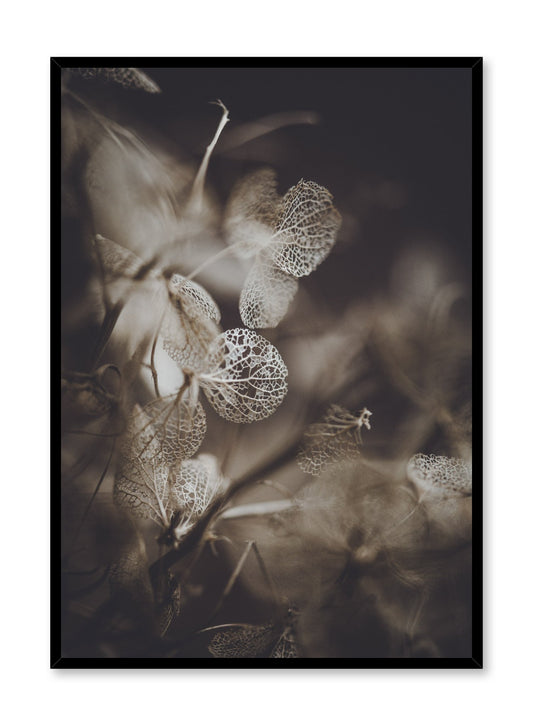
(143, 488)
(174, 497)
(300, 228)
(190, 324)
(125, 77)
(192, 298)
(254, 641)
(172, 428)
(333, 440)
(251, 212)
(191, 317)
(194, 486)
(159, 437)
(440, 475)
(245, 378)
(285, 648)
(306, 228)
(129, 580)
(242, 641)
(267, 293)
(170, 607)
(288, 237)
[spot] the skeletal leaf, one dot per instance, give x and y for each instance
(187, 341)
(245, 378)
(116, 260)
(129, 580)
(254, 641)
(285, 648)
(171, 428)
(125, 77)
(193, 299)
(242, 641)
(174, 497)
(267, 293)
(143, 488)
(194, 486)
(334, 439)
(251, 212)
(170, 607)
(191, 323)
(306, 229)
(440, 475)
(288, 237)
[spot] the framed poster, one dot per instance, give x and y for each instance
(264, 316)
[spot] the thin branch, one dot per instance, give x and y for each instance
(231, 582)
(257, 509)
(152, 357)
(266, 125)
(271, 584)
(112, 314)
(224, 252)
(108, 325)
(199, 532)
(197, 193)
(91, 500)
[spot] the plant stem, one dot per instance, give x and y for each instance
(198, 533)
(197, 193)
(231, 582)
(91, 500)
(209, 261)
(257, 509)
(152, 357)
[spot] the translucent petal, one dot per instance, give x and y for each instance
(193, 299)
(187, 341)
(170, 428)
(242, 641)
(171, 605)
(194, 486)
(116, 260)
(333, 440)
(245, 378)
(267, 294)
(158, 437)
(129, 579)
(306, 229)
(190, 324)
(285, 648)
(125, 77)
(440, 475)
(142, 488)
(251, 212)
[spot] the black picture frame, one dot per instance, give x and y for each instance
(475, 66)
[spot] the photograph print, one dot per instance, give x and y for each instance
(266, 312)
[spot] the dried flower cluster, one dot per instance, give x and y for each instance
(287, 237)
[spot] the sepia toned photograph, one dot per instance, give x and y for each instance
(267, 451)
